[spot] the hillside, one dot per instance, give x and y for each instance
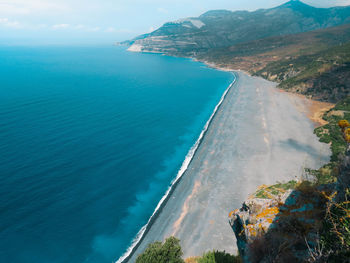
(314, 63)
(322, 76)
(222, 28)
(253, 56)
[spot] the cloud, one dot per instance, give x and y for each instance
(60, 26)
(162, 10)
(327, 3)
(79, 27)
(342, 2)
(8, 23)
(115, 30)
(110, 30)
(10, 9)
(40, 26)
(24, 7)
(93, 29)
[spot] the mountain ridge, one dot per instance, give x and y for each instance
(222, 28)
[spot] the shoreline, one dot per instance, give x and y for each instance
(313, 109)
(188, 158)
(246, 145)
(217, 67)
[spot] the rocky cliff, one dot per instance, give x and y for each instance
(278, 227)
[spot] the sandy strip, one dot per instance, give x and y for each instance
(313, 109)
(316, 111)
(258, 136)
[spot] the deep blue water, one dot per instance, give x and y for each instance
(90, 139)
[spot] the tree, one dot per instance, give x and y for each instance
(157, 252)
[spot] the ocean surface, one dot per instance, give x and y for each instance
(90, 140)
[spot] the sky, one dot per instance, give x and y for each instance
(107, 21)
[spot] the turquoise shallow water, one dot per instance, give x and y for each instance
(90, 139)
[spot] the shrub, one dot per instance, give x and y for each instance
(219, 257)
(347, 131)
(343, 124)
(157, 252)
(208, 257)
(336, 232)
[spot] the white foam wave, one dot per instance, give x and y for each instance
(180, 173)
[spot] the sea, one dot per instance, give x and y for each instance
(91, 139)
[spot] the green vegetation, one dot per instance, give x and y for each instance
(316, 63)
(258, 56)
(261, 194)
(336, 232)
(331, 132)
(218, 257)
(157, 252)
(334, 240)
(274, 190)
(171, 252)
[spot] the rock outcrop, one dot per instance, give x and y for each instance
(255, 217)
(278, 222)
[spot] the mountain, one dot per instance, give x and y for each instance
(222, 28)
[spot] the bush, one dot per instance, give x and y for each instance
(343, 124)
(336, 230)
(219, 257)
(157, 252)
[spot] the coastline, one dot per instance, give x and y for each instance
(217, 67)
(240, 151)
(189, 157)
(313, 109)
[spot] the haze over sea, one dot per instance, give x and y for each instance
(90, 140)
